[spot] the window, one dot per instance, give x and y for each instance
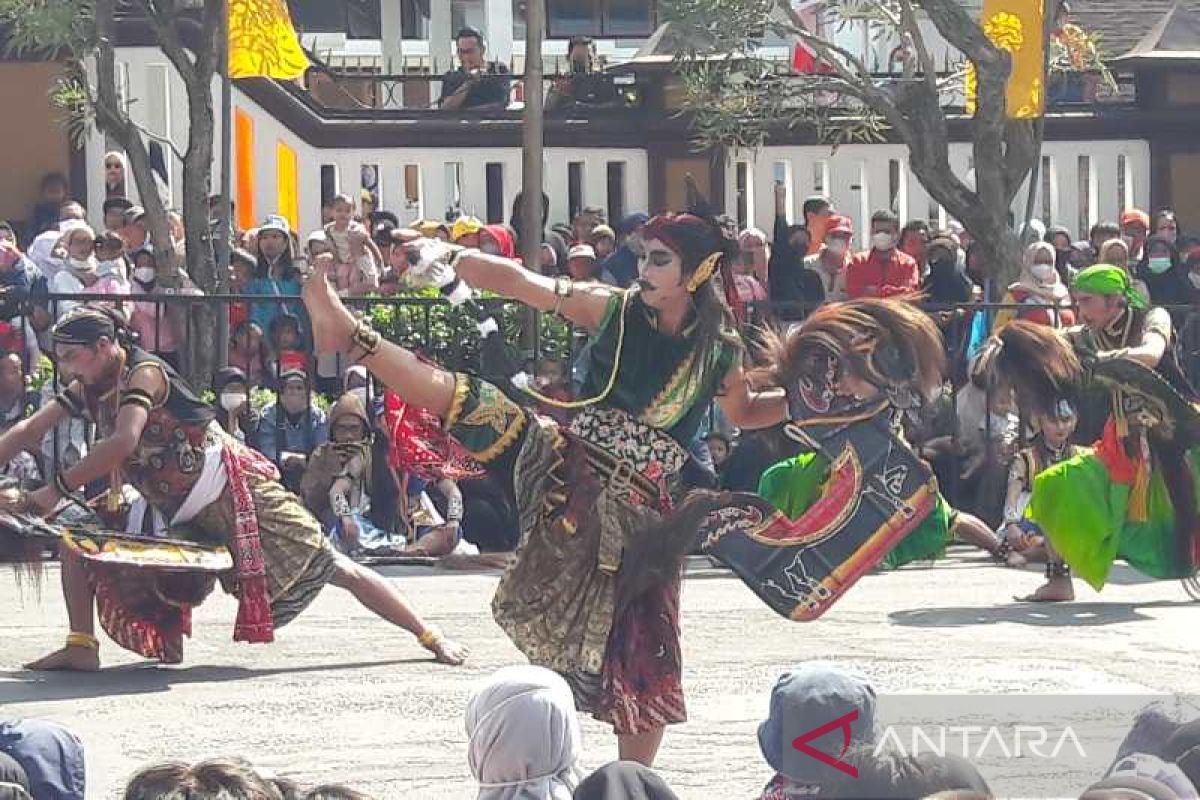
(616, 191)
(412, 189)
(329, 182)
(358, 19)
(743, 188)
(609, 18)
(574, 188)
(1086, 190)
(494, 177)
(454, 188)
(414, 19)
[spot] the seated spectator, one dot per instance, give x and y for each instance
(497, 240)
(884, 270)
(604, 240)
(292, 428)
(51, 757)
(466, 232)
(829, 263)
(583, 266)
(349, 486)
(215, 779)
(287, 345)
(51, 196)
(476, 84)
(623, 263)
(585, 86)
(1118, 253)
(809, 695)
(76, 254)
(1162, 271)
(277, 274)
(624, 780)
(587, 220)
(234, 412)
(17, 401)
(1039, 292)
(161, 326)
(248, 352)
(1102, 232)
(523, 736)
(1135, 227)
(794, 290)
(946, 283)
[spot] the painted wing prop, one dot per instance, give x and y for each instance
(878, 492)
(1146, 397)
(116, 548)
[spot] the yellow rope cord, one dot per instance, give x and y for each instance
(612, 378)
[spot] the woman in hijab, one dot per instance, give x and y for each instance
(1039, 292)
(114, 175)
(523, 735)
(624, 780)
(76, 250)
(1116, 253)
(1163, 274)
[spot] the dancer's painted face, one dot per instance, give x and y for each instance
(660, 274)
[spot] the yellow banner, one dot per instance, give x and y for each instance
(262, 41)
(1017, 26)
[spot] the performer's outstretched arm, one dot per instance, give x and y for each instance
(28, 433)
(751, 408)
(585, 306)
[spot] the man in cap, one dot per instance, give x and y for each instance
(465, 231)
(829, 263)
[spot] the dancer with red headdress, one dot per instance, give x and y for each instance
(594, 590)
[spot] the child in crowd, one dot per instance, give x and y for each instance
(241, 273)
(358, 258)
(287, 345)
(1021, 540)
(248, 352)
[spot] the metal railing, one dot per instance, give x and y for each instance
(449, 337)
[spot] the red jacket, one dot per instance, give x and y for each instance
(869, 274)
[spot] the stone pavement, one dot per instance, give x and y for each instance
(341, 697)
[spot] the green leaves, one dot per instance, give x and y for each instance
(63, 27)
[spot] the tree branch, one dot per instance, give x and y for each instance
(908, 23)
(163, 23)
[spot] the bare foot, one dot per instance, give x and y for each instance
(332, 322)
(438, 542)
(1055, 590)
(447, 651)
(69, 658)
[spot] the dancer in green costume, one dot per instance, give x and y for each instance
(1134, 497)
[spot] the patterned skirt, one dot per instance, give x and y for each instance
(148, 611)
(578, 509)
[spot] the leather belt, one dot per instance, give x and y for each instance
(619, 474)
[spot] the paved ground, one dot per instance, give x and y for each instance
(342, 697)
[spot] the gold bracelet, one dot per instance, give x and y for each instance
(75, 639)
(429, 638)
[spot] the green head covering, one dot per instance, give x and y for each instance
(1105, 279)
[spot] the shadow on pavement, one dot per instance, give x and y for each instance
(26, 686)
(1042, 614)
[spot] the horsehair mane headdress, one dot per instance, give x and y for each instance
(889, 343)
(1035, 362)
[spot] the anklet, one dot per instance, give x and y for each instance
(1057, 569)
(366, 338)
(430, 638)
(83, 640)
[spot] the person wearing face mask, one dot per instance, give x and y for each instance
(76, 253)
(882, 271)
(234, 411)
(1039, 293)
(1161, 272)
(829, 264)
(159, 325)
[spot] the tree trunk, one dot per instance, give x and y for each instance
(201, 322)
